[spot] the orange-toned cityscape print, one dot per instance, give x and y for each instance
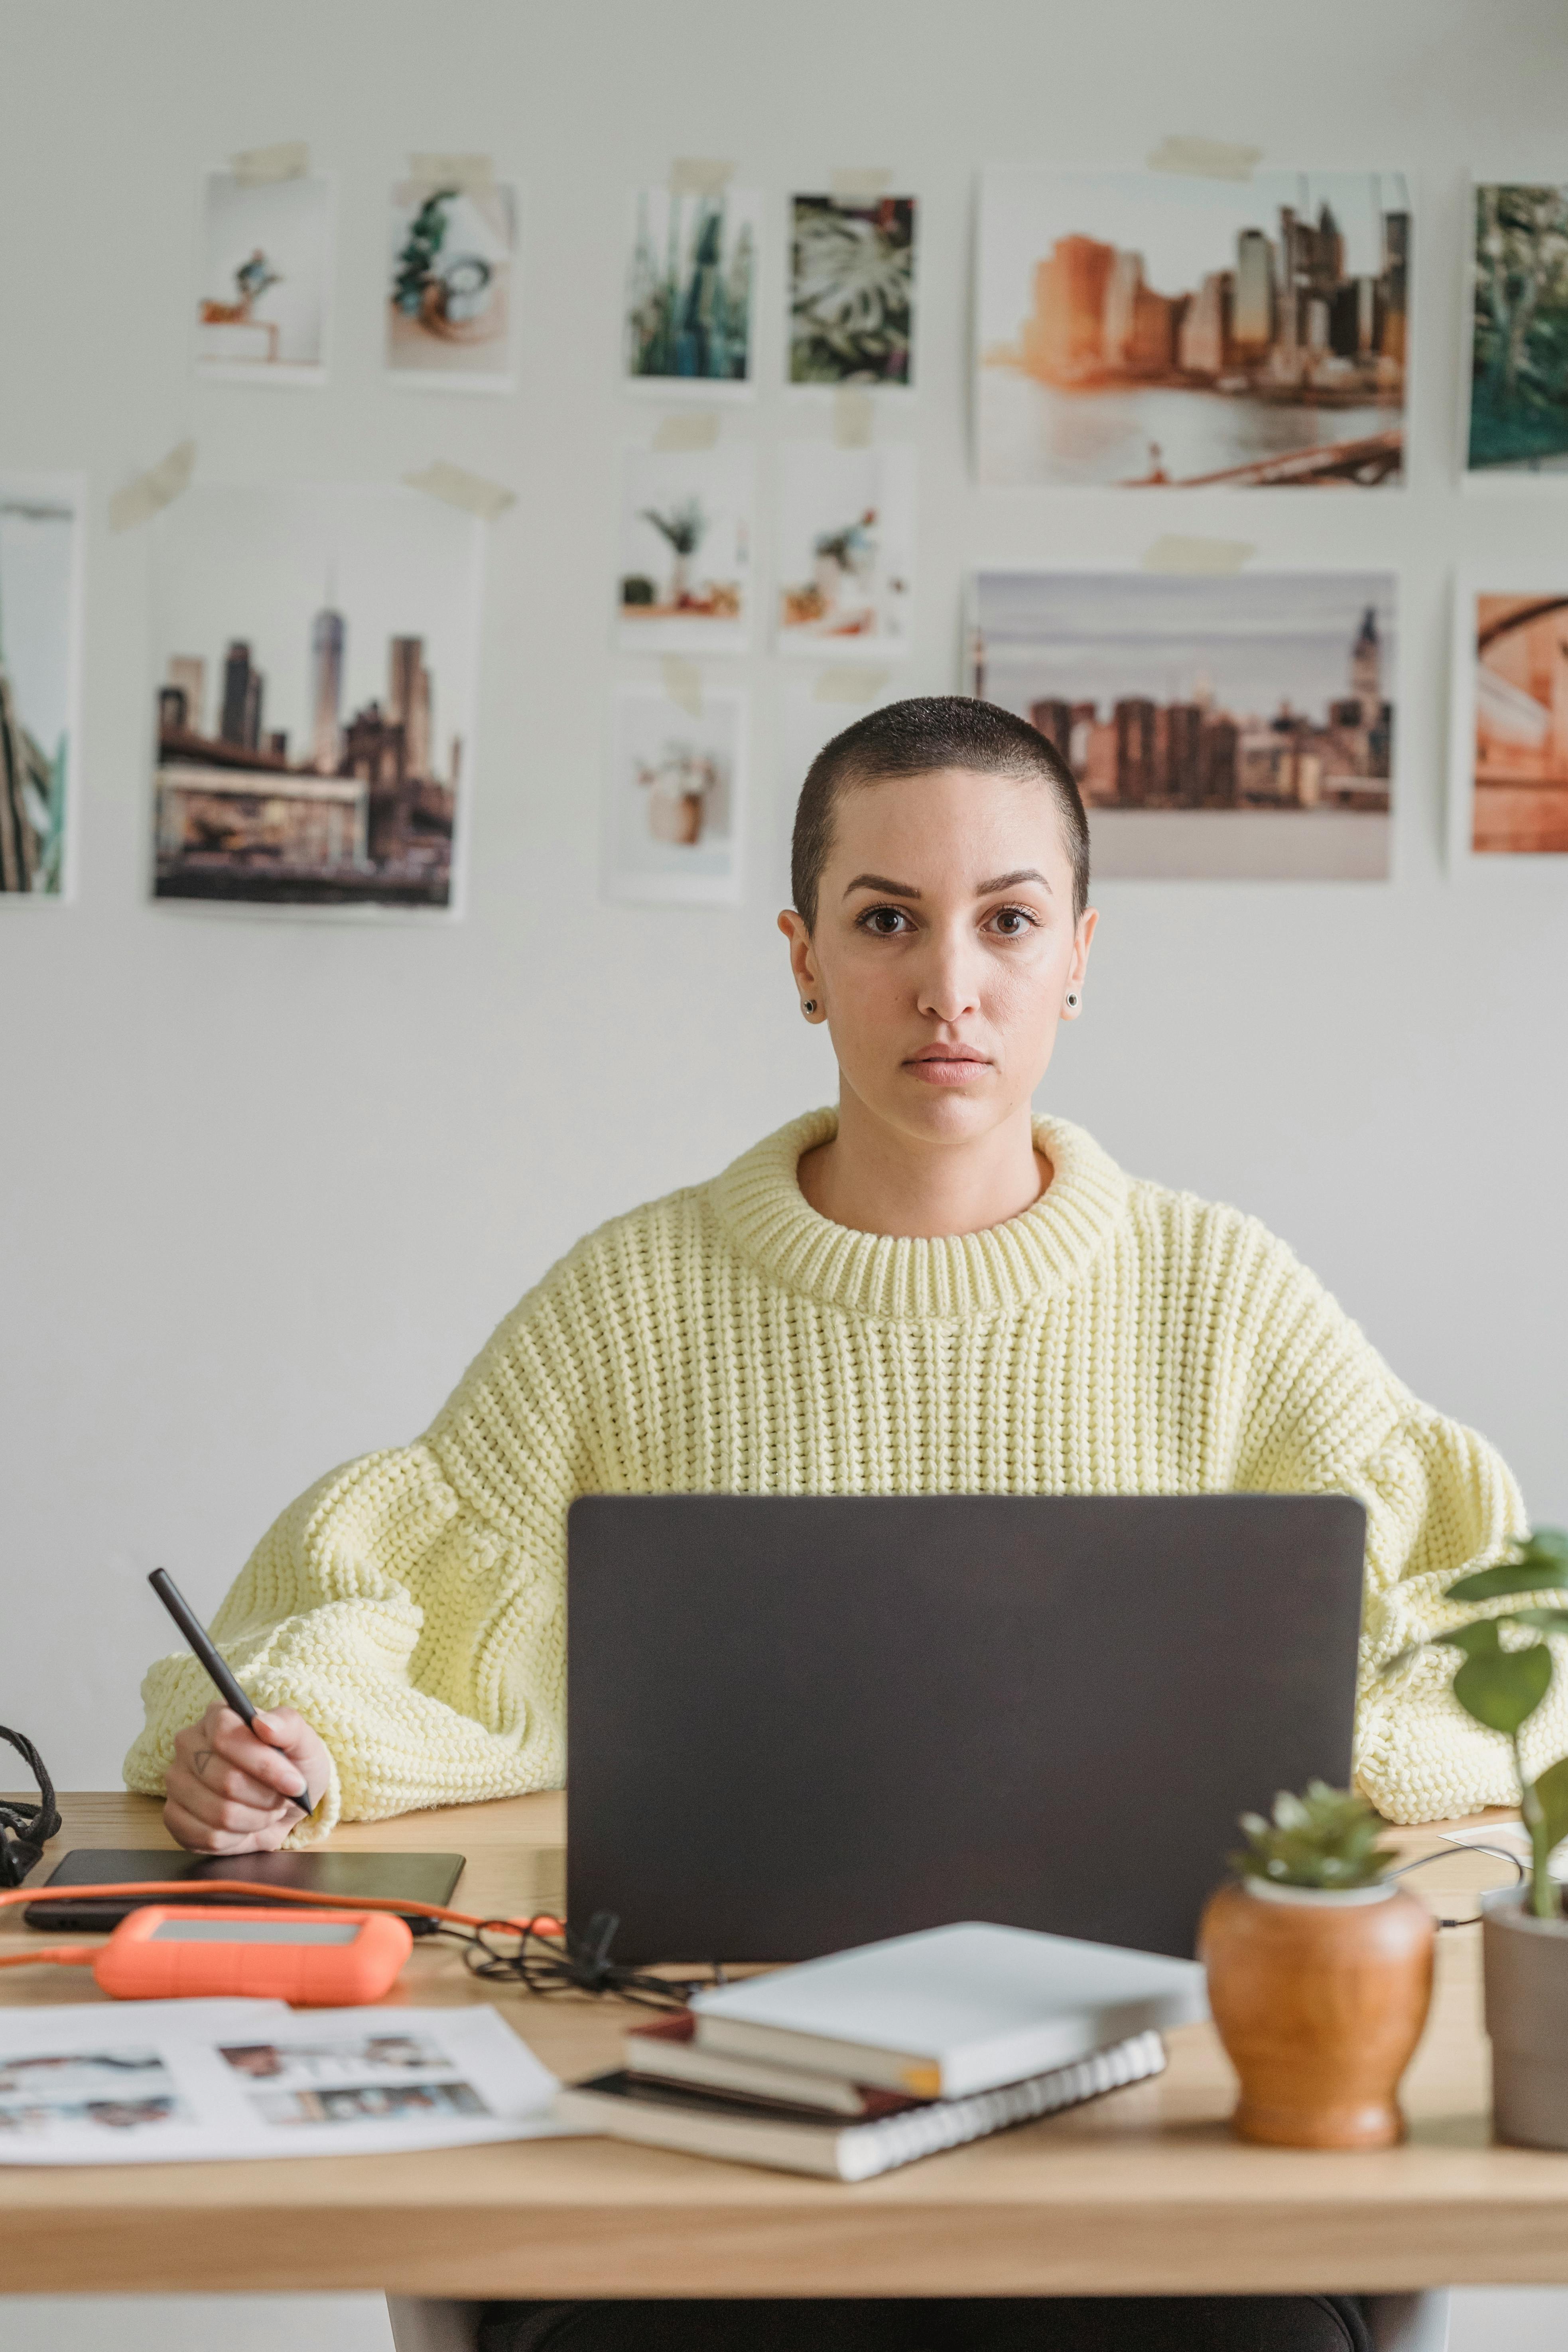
(1521, 802)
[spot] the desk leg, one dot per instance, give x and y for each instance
(1396, 2323)
(429, 2323)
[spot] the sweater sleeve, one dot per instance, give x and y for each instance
(1438, 1500)
(412, 1605)
(1329, 1417)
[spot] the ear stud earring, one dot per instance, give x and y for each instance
(1072, 1000)
(808, 1006)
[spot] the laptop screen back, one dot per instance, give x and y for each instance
(801, 1723)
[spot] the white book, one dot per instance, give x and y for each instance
(951, 2011)
(701, 2123)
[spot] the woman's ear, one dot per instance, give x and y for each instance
(802, 963)
(1072, 995)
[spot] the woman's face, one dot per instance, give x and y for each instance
(943, 947)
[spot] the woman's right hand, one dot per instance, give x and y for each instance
(232, 1791)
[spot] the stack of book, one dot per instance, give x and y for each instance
(851, 2065)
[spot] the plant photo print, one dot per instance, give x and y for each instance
(691, 290)
(852, 291)
(40, 550)
(450, 313)
(845, 547)
(686, 552)
(263, 272)
(1518, 332)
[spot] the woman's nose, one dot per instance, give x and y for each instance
(948, 983)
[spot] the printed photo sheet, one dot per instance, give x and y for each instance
(162, 2081)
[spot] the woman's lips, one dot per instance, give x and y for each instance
(955, 1069)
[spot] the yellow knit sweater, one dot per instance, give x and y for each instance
(1114, 1338)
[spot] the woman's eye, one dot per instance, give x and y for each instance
(1013, 920)
(885, 923)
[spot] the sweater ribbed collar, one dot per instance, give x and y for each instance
(760, 1203)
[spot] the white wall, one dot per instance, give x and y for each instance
(268, 1186)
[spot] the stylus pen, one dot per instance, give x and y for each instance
(217, 1668)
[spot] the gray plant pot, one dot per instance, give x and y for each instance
(1526, 1962)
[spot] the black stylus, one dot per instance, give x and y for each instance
(217, 1666)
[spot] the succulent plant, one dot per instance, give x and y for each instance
(1326, 1839)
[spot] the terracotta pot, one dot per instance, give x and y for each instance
(1320, 2000)
(1526, 1963)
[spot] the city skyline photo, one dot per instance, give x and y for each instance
(315, 650)
(1239, 727)
(1148, 330)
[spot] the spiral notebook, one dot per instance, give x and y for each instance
(800, 2139)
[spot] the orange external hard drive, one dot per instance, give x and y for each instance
(325, 1959)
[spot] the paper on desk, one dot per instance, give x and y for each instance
(1509, 1837)
(123, 2085)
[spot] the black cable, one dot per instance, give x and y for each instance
(575, 1961)
(1446, 1853)
(26, 1828)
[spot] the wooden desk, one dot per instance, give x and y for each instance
(1142, 2193)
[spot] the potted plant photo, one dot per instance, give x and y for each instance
(1500, 1681)
(1320, 1974)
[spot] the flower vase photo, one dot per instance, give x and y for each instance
(675, 786)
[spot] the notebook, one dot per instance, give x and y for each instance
(797, 2139)
(950, 2010)
(668, 2051)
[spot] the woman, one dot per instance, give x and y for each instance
(928, 1290)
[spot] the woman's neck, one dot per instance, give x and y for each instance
(876, 1181)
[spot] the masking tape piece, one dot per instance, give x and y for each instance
(699, 176)
(1205, 159)
(140, 501)
(472, 492)
(257, 165)
(697, 430)
(452, 171)
(854, 417)
(1197, 555)
(850, 682)
(683, 684)
(855, 187)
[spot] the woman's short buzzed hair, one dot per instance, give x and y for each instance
(911, 739)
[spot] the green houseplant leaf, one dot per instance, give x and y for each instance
(1541, 1563)
(1501, 1584)
(1502, 1689)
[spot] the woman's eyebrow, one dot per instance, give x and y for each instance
(982, 889)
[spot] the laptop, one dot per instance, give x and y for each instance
(800, 1723)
